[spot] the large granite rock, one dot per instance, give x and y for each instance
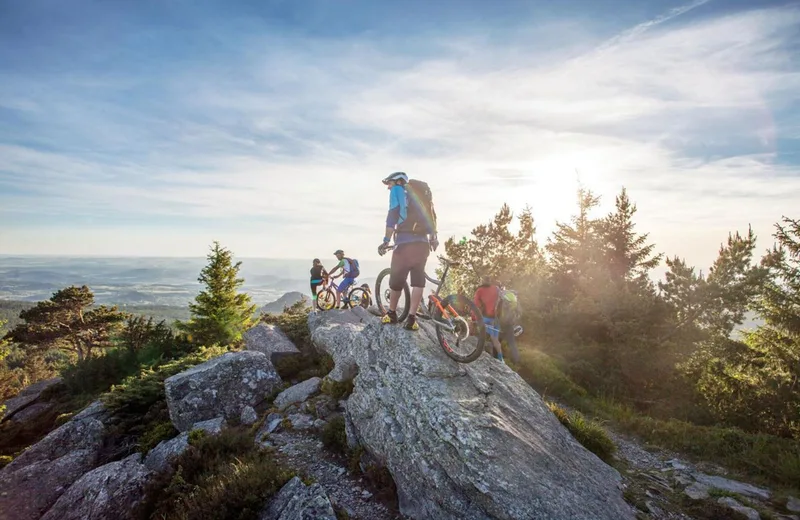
(32, 482)
(296, 501)
(220, 387)
(461, 441)
(109, 492)
(269, 340)
(298, 393)
(29, 395)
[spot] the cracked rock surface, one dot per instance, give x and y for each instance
(461, 441)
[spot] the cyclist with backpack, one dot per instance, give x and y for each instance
(486, 298)
(508, 313)
(412, 222)
(350, 270)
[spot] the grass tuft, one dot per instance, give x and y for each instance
(589, 433)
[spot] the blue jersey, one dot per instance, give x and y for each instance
(398, 211)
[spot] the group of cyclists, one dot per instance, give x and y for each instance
(411, 221)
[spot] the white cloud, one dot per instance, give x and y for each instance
(682, 113)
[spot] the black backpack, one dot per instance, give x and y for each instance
(420, 215)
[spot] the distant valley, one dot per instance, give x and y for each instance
(158, 287)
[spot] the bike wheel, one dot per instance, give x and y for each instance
(382, 296)
(326, 300)
(358, 297)
(458, 344)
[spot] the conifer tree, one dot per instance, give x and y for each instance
(219, 315)
(627, 254)
(755, 383)
(68, 322)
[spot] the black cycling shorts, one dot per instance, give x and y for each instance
(409, 258)
(314, 285)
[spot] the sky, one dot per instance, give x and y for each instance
(151, 128)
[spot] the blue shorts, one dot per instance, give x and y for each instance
(346, 283)
(491, 328)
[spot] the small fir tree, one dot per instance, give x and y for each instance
(220, 314)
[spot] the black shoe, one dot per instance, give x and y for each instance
(390, 318)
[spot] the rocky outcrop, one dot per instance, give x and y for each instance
(222, 386)
(26, 398)
(108, 492)
(297, 393)
(32, 482)
(461, 441)
(269, 340)
(296, 501)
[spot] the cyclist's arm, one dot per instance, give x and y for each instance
(396, 210)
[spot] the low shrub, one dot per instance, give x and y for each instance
(217, 478)
(334, 436)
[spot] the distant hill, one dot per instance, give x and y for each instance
(287, 300)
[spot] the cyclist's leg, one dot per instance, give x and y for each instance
(507, 334)
(417, 258)
(343, 288)
(494, 336)
(314, 285)
(397, 278)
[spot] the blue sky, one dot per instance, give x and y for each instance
(154, 127)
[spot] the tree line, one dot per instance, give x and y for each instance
(665, 347)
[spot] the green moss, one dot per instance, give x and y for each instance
(5, 460)
(218, 478)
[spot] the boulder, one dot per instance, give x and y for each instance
(793, 505)
(732, 486)
(110, 491)
(222, 386)
(160, 457)
(748, 512)
(31, 412)
(298, 393)
(301, 421)
(269, 340)
(249, 416)
(296, 501)
(29, 395)
(32, 482)
(461, 441)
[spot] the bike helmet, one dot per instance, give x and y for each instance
(338, 252)
(396, 176)
(518, 330)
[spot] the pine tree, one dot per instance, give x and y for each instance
(755, 383)
(68, 322)
(493, 250)
(627, 253)
(219, 315)
(573, 248)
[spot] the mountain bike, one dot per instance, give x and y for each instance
(328, 298)
(454, 316)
